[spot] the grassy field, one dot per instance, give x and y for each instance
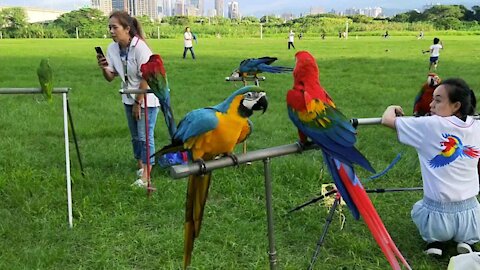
(118, 227)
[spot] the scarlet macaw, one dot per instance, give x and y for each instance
(154, 73)
(315, 115)
(207, 133)
(45, 77)
(423, 99)
(254, 66)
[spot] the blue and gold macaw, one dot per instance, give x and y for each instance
(316, 117)
(254, 66)
(207, 133)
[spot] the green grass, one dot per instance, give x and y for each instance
(117, 227)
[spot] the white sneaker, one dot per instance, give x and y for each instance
(139, 183)
(140, 172)
(463, 248)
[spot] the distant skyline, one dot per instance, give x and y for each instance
(256, 8)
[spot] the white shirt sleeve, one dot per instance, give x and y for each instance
(410, 130)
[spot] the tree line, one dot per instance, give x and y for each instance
(91, 23)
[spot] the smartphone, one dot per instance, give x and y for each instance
(99, 51)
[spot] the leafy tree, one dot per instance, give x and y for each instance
(82, 18)
(476, 10)
(439, 12)
(410, 16)
(13, 20)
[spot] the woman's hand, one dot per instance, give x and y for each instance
(102, 61)
(136, 111)
(392, 112)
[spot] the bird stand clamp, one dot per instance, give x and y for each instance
(66, 116)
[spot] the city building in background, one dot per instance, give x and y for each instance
(105, 6)
(37, 15)
(219, 7)
(119, 4)
(317, 10)
(233, 10)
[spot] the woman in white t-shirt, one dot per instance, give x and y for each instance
(188, 43)
(448, 147)
(125, 55)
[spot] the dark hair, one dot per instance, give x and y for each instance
(436, 40)
(186, 28)
(459, 91)
(128, 21)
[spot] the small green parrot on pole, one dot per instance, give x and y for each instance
(45, 77)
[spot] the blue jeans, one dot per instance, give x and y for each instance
(191, 51)
(137, 132)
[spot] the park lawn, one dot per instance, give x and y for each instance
(119, 227)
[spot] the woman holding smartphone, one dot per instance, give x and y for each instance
(125, 55)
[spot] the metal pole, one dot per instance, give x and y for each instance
(67, 161)
(31, 90)
(325, 230)
(272, 254)
(75, 138)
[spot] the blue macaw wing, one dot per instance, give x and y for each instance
(195, 123)
(332, 131)
(252, 64)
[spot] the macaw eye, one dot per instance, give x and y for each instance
(249, 95)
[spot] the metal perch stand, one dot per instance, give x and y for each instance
(181, 171)
(66, 115)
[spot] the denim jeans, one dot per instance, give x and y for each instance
(137, 132)
(191, 51)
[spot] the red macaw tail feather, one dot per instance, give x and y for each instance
(370, 216)
(197, 192)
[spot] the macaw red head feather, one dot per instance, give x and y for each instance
(306, 77)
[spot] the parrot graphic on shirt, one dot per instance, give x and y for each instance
(45, 78)
(317, 118)
(453, 149)
(207, 133)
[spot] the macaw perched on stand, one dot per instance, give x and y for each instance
(254, 66)
(154, 73)
(45, 77)
(207, 133)
(423, 99)
(315, 115)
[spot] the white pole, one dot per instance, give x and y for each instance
(76, 31)
(67, 161)
(261, 31)
(346, 30)
(158, 32)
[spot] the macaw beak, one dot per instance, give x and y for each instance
(262, 103)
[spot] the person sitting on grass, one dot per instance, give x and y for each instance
(448, 147)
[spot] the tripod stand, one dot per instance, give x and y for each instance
(331, 212)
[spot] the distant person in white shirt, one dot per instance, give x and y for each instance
(448, 148)
(435, 53)
(187, 43)
(291, 37)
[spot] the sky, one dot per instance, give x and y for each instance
(255, 7)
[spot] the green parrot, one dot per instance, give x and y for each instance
(45, 77)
